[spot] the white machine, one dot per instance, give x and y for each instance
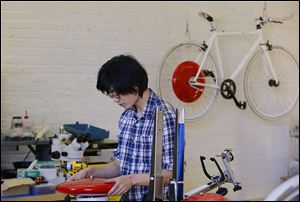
(63, 150)
(69, 152)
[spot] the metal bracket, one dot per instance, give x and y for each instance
(156, 183)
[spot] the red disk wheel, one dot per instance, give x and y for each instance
(180, 81)
(181, 64)
(85, 186)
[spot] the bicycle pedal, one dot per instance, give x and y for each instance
(242, 105)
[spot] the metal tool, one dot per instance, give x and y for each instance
(176, 183)
(72, 167)
(227, 156)
(173, 182)
(156, 178)
(92, 174)
(217, 180)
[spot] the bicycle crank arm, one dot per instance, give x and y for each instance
(240, 104)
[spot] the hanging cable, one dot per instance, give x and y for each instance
(187, 32)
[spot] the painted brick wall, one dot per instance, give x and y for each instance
(51, 52)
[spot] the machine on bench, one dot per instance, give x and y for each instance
(69, 148)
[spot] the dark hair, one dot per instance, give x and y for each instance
(124, 74)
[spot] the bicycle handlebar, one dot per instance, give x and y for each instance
(260, 21)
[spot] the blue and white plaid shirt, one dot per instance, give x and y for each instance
(135, 142)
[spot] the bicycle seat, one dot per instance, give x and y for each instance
(206, 16)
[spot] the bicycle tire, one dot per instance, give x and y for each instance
(272, 103)
(177, 66)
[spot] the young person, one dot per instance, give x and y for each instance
(125, 80)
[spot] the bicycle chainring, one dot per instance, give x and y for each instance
(228, 89)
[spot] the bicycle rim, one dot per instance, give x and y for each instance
(272, 103)
(177, 66)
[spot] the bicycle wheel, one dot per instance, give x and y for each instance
(266, 100)
(176, 70)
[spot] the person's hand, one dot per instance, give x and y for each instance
(80, 175)
(122, 185)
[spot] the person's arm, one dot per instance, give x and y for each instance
(125, 182)
(143, 179)
(110, 170)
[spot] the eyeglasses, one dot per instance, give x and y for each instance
(114, 95)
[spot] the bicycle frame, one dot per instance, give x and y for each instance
(270, 86)
(259, 42)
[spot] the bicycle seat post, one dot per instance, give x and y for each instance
(210, 19)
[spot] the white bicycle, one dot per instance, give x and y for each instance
(189, 77)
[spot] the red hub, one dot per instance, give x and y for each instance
(180, 81)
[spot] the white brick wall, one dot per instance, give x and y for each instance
(51, 52)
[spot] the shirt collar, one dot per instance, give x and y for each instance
(149, 110)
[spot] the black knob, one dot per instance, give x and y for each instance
(55, 155)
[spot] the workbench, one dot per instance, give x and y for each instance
(46, 197)
(41, 151)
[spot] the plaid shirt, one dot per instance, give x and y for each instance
(135, 142)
